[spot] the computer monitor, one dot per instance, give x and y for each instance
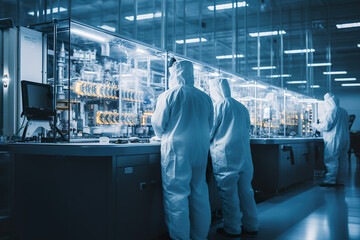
(37, 99)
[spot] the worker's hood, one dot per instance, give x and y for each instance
(330, 101)
(219, 89)
(181, 73)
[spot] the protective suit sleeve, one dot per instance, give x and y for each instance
(216, 120)
(211, 116)
(248, 121)
(328, 123)
(161, 115)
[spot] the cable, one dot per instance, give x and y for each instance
(21, 127)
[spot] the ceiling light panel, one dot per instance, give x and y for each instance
(264, 68)
(191, 40)
(335, 72)
(348, 25)
(229, 56)
(297, 51)
(318, 64)
(279, 76)
(296, 82)
(48, 11)
(227, 6)
(350, 84)
(144, 16)
(265, 34)
(344, 79)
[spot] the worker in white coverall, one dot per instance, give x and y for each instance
(183, 119)
(232, 163)
(335, 128)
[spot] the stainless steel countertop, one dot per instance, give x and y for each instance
(112, 149)
(283, 140)
(81, 149)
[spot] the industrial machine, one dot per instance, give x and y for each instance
(107, 86)
(103, 85)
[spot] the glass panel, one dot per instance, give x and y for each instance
(115, 85)
(300, 112)
(252, 44)
(31, 12)
(57, 69)
(269, 111)
(149, 22)
(127, 19)
(104, 14)
(105, 85)
(8, 9)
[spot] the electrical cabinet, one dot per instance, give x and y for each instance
(282, 163)
(140, 209)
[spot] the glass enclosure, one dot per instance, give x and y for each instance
(106, 85)
(269, 110)
(300, 113)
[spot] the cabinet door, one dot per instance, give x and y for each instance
(140, 213)
(304, 163)
(4, 193)
(287, 166)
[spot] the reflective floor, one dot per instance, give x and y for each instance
(311, 212)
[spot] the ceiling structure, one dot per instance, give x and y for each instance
(299, 25)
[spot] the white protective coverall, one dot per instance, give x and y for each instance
(231, 159)
(183, 119)
(335, 127)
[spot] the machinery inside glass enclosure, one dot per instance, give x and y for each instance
(107, 86)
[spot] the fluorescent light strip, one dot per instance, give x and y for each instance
(252, 85)
(191, 40)
(144, 16)
(86, 34)
(315, 86)
(227, 6)
(344, 79)
(318, 64)
(48, 11)
(335, 73)
(308, 100)
(358, 45)
(348, 25)
(140, 50)
(279, 76)
(106, 27)
(229, 56)
(264, 68)
(298, 51)
(350, 85)
(265, 34)
(296, 82)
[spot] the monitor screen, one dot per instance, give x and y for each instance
(39, 97)
(37, 100)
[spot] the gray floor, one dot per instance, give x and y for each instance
(311, 212)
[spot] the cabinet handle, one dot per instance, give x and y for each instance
(289, 149)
